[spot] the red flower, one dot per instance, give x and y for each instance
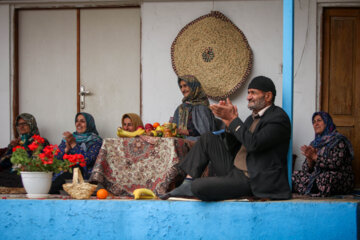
(38, 139)
(14, 149)
(33, 146)
(75, 159)
(47, 161)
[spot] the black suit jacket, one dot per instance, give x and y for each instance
(267, 149)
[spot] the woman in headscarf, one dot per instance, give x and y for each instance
(26, 127)
(327, 168)
(86, 141)
(193, 117)
(131, 121)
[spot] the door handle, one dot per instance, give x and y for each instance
(82, 94)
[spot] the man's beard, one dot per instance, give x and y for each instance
(257, 105)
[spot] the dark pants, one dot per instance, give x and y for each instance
(56, 185)
(228, 183)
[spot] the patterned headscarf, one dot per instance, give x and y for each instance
(330, 136)
(135, 120)
(197, 96)
(30, 120)
(324, 142)
(90, 135)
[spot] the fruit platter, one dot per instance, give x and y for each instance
(155, 130)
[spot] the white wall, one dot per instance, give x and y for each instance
(261, 22)
(305, 75)
(4, 76)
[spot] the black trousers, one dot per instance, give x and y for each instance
(228, 182)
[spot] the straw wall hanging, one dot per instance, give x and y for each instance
(214, 50)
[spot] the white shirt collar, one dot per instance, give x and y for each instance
(262, 111)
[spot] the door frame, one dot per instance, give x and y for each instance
(14, 44)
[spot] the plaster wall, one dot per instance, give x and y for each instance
(260, 21)
(4, 75)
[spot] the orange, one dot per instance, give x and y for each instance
(102, 193)
(155, 125)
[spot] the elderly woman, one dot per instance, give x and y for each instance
(131, 121)
(86, 141)
(327, 169)
(193, 117)
(26, 127)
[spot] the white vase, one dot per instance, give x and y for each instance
(36, 184)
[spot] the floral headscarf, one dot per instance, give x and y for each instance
(197, 96)
(330, 136)
(325, 142)
(135, 120)
(91, 135)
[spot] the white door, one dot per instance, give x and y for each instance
(109, 67)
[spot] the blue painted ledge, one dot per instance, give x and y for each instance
(126, 219)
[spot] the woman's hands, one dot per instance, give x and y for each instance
(69, 141)
(310, 153)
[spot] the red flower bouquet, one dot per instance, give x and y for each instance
(43, 159)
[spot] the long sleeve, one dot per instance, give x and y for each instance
(271, 132)
(336, 159)
(90, 154)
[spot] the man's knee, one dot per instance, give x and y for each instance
(208, 138)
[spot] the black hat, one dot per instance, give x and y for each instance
(264, 84)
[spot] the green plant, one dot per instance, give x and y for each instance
(43, 159)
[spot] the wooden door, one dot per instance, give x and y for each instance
(61, 49)
(341, 74)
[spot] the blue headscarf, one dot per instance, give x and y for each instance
(324, 142)
(91, 135)
(330, 137)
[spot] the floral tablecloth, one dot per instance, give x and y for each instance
(125, 164)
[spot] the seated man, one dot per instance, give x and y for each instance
(251, 160)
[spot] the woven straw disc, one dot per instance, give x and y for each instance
(214, 50)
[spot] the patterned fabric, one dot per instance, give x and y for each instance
(330, 136)
(135, 120)
(126, 164)
(332, 173)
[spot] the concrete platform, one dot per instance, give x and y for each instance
(155, 219)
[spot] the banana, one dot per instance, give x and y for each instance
(143, 193)
(154, 133)
(122, 133)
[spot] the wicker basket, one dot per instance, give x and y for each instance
(78, 189)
